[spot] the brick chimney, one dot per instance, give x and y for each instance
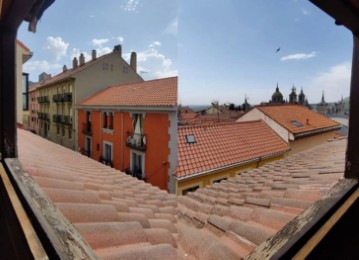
(94, 55)
(133, 61)
(82, 59)
(74, 63)
(118, 48)
(64, 68)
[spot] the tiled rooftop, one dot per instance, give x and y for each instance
(159, 92)
(123, 218)
(219, 145)
(286, 114)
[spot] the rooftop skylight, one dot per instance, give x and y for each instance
(190, 139)
(296, 123)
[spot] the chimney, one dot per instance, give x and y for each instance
(307, 121)
(74, 63)
(82, 59)
(44, 76)
(64, 68)
(133, 61)
(93, 55)
(118, 48)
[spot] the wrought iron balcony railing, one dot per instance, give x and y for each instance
(136, 141)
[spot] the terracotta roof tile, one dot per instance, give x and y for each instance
(309, 120)
(159, 92)
(123, 218)
(225, 144)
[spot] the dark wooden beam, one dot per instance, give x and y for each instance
(344, 12)
(7, 93)
(9, 23)
(352, 156)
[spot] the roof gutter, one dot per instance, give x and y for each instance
(258, 159)
(298, 135)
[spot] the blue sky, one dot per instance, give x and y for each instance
(221, 50)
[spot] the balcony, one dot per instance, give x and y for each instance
(136, 141)
(67, 120)
(86, 152)
(105, 161)
(56, 119)
(43, 99)
(43, 116)
(57, 98)
(86, 128)
(60, 98)
(68, 97)
(137, 173)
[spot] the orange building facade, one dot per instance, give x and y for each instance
(138, 139)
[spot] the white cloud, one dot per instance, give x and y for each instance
(299, 56)
(103, 51)
(305, 12)
(152, 64)
(172, 27)
(56, 47)
(335, 82)
(35, 67)
(77, 52)
(99, 42)
(92, 16)
(154, 44)
(120, 39)
(131, 5)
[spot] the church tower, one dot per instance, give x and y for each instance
(277, 97)
(293, 96)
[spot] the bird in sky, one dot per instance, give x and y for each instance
(278, 50)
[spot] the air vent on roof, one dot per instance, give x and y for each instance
(190, 139)
(296, 123)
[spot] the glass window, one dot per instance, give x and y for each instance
(105, 120)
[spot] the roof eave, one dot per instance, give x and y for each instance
(257, 159)
(316, 131)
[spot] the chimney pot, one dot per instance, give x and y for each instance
(82, 59)
(64, 68)
(74, 63)
(118, 48)
(133, 61)
(94, 55)
(307, 121)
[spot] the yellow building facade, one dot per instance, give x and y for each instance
(58, 95)
(195, 182)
